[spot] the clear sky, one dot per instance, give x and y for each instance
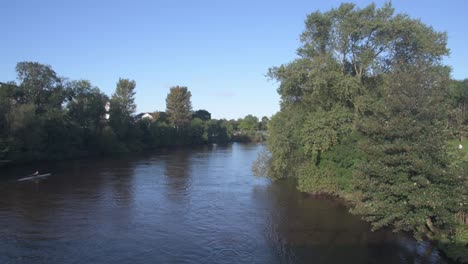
(220, 49)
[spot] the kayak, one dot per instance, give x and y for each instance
(35, 177)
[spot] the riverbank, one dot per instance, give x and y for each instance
(453, 246)
(28, 158)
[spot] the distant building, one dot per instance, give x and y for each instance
(142, 116)
(107, 107)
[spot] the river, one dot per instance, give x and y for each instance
(201, 205)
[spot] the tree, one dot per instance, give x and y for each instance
(370, 74)
(264, 123)
(179, 106)
(404, 180)
(23, 119)
(124, 97)
(160, 116)
(122, 107)
(218, 131)
(40, 86)
(7, 102)
(458, 110)
(196, 131)
(202, 114)
(249, 124)
(284, 144)
(87, 106)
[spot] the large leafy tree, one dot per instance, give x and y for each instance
(343, 53)
(202, 114)
(370, 74)
(7, 102)
(36, 104)
(179, 106)
(40, 86)
(8, 93)
(122, 107)
(264, 123)
(218, 131)
(87, 106)
(405, 181)
(249, 124)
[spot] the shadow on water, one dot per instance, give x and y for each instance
(303, 228)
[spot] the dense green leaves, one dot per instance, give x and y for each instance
(48, 117)
(458, 110)
(87, 108)
(364, 115)
(405, 179)
(122, 107)
(249, 124)
(40, 85)
(202, 114)
(179, 106)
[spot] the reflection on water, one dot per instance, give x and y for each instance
(182, 206)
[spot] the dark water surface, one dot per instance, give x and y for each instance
(182, 206)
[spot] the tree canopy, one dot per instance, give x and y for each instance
(202, 114)
(179, 106)
(370, 83)
(122, 107)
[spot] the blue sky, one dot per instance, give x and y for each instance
(221, 50)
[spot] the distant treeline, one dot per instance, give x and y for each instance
(45, 116)
(367, 109)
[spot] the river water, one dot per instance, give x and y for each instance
(182, 206)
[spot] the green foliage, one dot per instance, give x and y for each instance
(144, 127)
(87, 107)
(324, 129)
(40, 85)
(22, 119)
(218, 131)
(179, 106)
(202, 114)
(456, 246)
(163, 134)
(404, 179)
(317, 180)
(122, 107)
(107, 142)
(458, 108)
(262, 165)
(284, 143)
(249, 124)
(364, 114)
(160, 117)
(45, 117)
(334, 174)
(264, 123)
(196, 132)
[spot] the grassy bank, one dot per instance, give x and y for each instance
(335, 176)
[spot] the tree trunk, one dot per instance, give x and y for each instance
(431, 226)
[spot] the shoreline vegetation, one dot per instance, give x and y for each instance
(47, 117)
(369, 113)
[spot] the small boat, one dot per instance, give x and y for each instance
(35, 177)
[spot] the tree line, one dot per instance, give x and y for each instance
(366, 111)
(45, 116)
